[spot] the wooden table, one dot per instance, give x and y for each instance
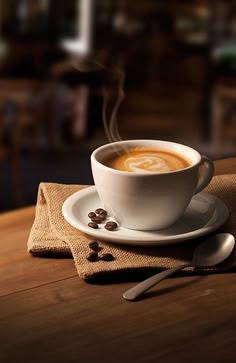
(47, 314)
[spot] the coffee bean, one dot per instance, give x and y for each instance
(92, 257)
(93, 225)
(101, 211)
(91, 215)
(110, 227)
(94, 245)
(102, 216)
(106, 257)
(104, 212)
(112, 224)
(98, 210)
(97, 219)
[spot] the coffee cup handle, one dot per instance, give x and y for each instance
(207, 174)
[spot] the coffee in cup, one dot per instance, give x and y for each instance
(142, 159)
(148, 184)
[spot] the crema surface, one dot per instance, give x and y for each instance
(147, 160)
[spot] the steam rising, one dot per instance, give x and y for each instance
(113, 94)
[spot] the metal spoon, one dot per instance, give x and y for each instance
(209, 253)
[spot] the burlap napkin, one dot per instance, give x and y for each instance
(52, 235)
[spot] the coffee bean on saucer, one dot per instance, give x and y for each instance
(93, 225)
(100, 211)
(102, 216)
(97, 219)
(103, 213)
(111, 226)
(91, 215)
(106, 257)
(92, 256)
(94, 245)
(112, 223)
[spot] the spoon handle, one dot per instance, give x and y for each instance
(145, 285)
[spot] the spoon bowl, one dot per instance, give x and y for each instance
(214, 250)
(211, 252)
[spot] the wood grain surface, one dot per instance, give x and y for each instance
(47, 314)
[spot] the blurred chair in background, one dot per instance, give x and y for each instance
(23, 113)
(223, 116)
(17, 98)
(79, 82)
(9, 150)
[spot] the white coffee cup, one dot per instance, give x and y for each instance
(149, 201)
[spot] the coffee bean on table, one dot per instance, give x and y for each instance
(94, 245)
(106, 257)
(93, 225)
(91, 215)
(92, 256)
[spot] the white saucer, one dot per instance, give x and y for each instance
(205, 214)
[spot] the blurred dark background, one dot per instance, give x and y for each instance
(179, 61)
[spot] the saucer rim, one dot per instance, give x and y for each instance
(137, 240)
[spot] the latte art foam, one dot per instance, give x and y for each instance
(147, 160)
